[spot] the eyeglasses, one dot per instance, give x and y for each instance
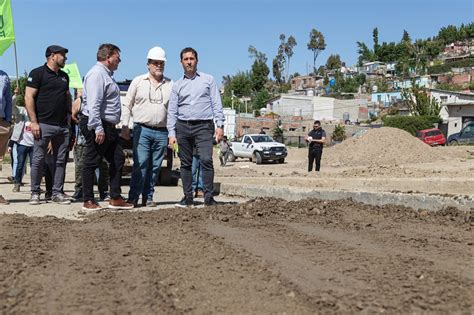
(155, 100)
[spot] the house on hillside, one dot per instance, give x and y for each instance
(420, 81)
(373, 68)
(386, 99)
(323, 108)
(457, 108)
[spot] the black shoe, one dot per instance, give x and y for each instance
(210, 202)
(77, 196)
(185, 202)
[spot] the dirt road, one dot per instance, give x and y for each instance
(265, 256)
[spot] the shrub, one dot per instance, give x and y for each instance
(411, 124)
(339, 133)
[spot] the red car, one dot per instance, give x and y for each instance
(432, 136)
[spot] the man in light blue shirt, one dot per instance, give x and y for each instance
(194, 107)
(101, 112)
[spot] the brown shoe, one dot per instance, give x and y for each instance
(120, 204)
(91, 205)
(3, 201)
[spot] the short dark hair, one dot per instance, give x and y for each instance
(106, 50)
(317, 122)
(186, 50)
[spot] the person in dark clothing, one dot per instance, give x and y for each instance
(315, 139)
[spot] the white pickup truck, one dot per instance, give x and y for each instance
(258, 148)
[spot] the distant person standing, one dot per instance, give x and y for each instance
(48, 102)
(195, 105)
(316, 139)
(101, 112)
(147, 102)
(224, 148)
(5, 118)
(262, 132)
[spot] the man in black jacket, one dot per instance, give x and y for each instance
(316, 139)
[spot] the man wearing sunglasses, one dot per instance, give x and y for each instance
(315, 139)
(147, 103)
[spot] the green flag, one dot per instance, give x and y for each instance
(7, 34)
(75, 81)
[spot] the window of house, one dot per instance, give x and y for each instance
(444, 99)
(292, 129)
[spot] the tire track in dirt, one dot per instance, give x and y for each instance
(348, 277)
(131, 263)
(440, 261)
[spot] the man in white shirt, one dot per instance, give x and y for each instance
(147, 102)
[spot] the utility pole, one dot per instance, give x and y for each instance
(232, 99)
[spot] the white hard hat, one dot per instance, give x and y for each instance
(156, 53)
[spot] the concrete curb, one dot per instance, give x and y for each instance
(416, 201)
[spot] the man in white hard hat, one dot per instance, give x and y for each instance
(147, 102)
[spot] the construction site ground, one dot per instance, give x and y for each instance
(276, 254)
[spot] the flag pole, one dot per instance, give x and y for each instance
(16, 65)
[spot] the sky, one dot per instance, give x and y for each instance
(220, 30)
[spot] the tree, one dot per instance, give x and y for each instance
(420, 103)
(276, 69)
(375, 36)
(448, 34)
(333, 62)
(286, 49)
(406, 37)
(260, 71)
(365, 54)
(316, 44)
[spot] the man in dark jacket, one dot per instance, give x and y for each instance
(315, 139)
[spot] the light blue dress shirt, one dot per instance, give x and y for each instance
(195, 98)
(101, 97)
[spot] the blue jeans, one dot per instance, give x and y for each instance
(22, 153)
(196, 169)
(149, 147)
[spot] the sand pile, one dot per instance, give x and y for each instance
(381, 146)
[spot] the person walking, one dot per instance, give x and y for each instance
(315, 139)
(48, 102)
(101, 112)
(147, 103)
(224, 147)
(195, 106)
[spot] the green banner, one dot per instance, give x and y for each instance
(75, 79)
(7, 34)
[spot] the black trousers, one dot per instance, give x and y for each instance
(93, 155)
(314, 155)
(201, 135)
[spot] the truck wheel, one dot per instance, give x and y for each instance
(281, 161)
(258, 157)
(231, 156)
(453, 142)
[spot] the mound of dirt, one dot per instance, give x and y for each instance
(382, 146)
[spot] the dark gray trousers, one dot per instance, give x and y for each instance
(59, 137)
(201, 135)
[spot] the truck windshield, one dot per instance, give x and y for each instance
(262, 139)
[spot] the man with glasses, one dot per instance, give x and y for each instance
(147, 103)
(101, 112)
(48, 103)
